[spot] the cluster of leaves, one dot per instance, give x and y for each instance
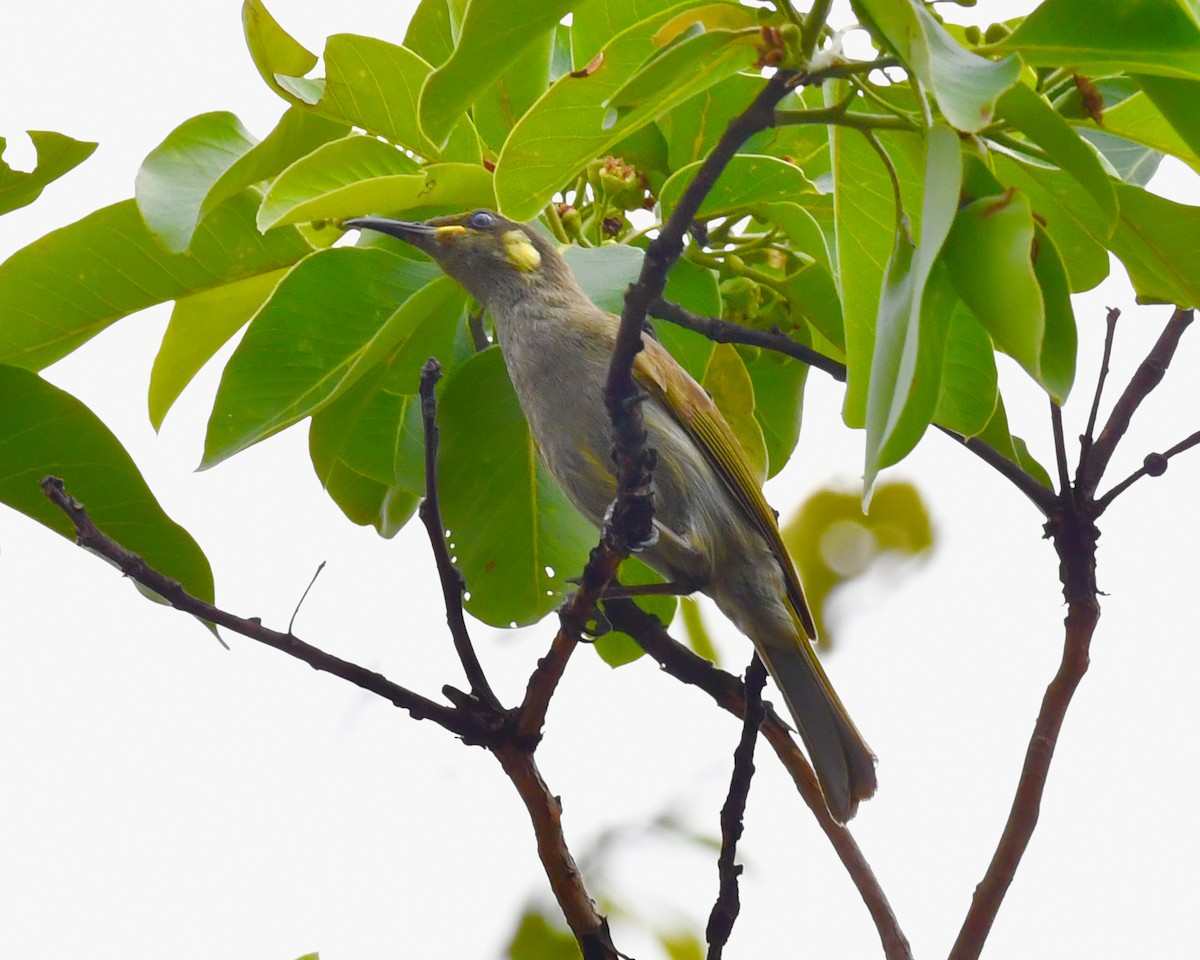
(908, 217)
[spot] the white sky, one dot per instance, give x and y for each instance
(165, 798)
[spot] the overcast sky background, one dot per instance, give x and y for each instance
(164, 797)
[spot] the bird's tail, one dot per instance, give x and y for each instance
(844, 764)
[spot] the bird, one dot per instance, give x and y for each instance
(715, 531)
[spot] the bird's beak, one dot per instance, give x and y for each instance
(420, 235)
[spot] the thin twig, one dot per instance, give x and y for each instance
(727, 907)
(1060, 451)
(1148, 376)
(89, 536)
(722, 331)
(1089, 435)
(1042, 497)
(449, 575)
(304, 595)
(728, 692)
(1155, 465)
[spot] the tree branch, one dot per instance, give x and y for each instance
(1082, 616)
(1042, 497)
(728, 692)
(431, 515)
(1089, 434)
(727, 907)
(89, 536)
(1148, 376)
(1155, 465)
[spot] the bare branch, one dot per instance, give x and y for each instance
(1081, 620)
(89, 536)
(722, 331)
(431, 516)
(1042, 497)
(1110, 332)
(1155, 465)
(728, 692)
(727, 907)
(1148, 376)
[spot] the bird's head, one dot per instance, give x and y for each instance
(496, 259)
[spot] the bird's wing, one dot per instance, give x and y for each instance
(662, 376)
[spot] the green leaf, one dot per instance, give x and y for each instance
(910, 331)
(491, 39)
(616, 648)
(1138, 118)
(996, 435)
(593, 24)
(537, 938)
(1176, 100)
(502, 103)
(375, 85)
(1034, 117)
(335, 183)
(374, 427)
(69, 285)
(695, 630)
(274, 51)
(298, 133)
(863, 201)
(990, 256)
(694, 288)
(537, 159)
(177, 175)
(1149, 36)
(332, 171)
(333, 317)
(515, 535)
(964, 84)
(728, 383)
(365, 501)
(687, 67)
(200, 324)
(1060, 342)
(605, 273)
(778, 397)
(969, 380)
(1158, 241)
(1070, 217)
(1131, 161)
(746, 181)
(430, 34)
(57, 154)
(811, 290)
(45, 431)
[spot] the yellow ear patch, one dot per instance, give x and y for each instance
(521, 252)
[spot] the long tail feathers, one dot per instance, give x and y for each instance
(844, 764)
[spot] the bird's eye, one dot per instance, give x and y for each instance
(481, 220)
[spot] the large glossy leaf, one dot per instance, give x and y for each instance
(863, 203)
(492, 37)
(178, 174)
(45, 431)
(1073, 221)
(1158, 241)
(200, 324)
(502, 103)
(56, 154)
(778, 397)
(430, 33)
(687, 67)
(1176, 100)
(746, 181)
(298, 133)
(72, 283)
(968, 390)
(332, 318)
(350, 178)
(914, 307)
(515, 535)
(594, 23)
(1034, 117)
(375, 85)
(274, 51)
(365, 501)
(537, 160)
(964, 83)
(1149, 36)
(1138, 118)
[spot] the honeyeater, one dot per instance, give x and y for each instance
(716, 533)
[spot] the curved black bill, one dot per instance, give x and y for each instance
(413, 232)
